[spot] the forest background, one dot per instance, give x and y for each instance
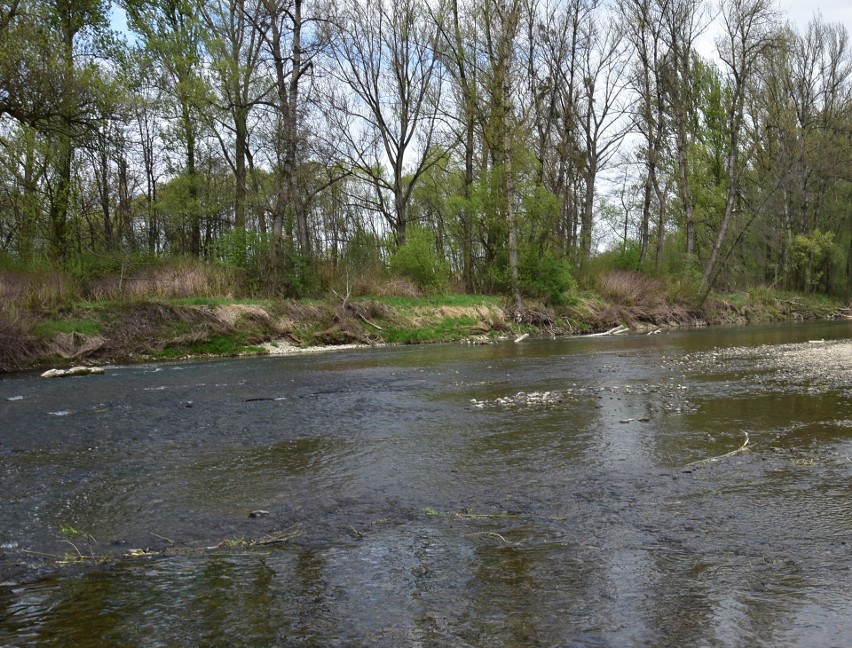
(526, 148)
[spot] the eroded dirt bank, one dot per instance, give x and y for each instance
(125, 333)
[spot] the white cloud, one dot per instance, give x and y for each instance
(800, 13)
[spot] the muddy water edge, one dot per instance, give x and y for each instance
(689, 488)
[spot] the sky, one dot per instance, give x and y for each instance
(801, 12)
(798, 12)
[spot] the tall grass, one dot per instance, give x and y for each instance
(38, 289)
(17, 345)
(175, 279)
(43, 289)
(628, 288)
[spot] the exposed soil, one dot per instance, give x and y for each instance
(143, 331)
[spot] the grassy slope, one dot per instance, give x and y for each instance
(100, 332)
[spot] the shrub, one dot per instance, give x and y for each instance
(631, 288)
(811, 258)
(627, 256)
(417, 260)
(247, 253)
(545, 276)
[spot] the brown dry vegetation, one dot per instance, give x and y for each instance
(165, 282)
(18, 347)
(636, 299)
(43, 324)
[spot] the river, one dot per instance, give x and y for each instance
(692, 488)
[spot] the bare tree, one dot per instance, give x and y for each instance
(602, 111)
(171, 32)
(292, 43)
(643, 26)
(458, 53)
(386, 106)
(565, 40)
(234, 50)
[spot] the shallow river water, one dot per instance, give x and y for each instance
(685, 489)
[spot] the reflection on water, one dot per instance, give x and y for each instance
(426, 499)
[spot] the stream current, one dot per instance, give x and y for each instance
(691, 488)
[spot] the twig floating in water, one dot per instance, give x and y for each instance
(743, 448)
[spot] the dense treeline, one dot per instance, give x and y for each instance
(508, 145)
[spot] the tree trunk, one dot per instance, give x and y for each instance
(125, 216)
(29, 207)
(467, 212)
(192, 177)
(292, 133)
(587, 217)
(683, 183)
(646, 216)
(104, 192)
(240, 175)
(61, 198)
(509, 184)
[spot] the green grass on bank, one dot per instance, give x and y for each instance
(767, 304)
(448, 329)
(162, 318)
(445, 299)
(217, 345)
(49, 329)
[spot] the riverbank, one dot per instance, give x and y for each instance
(103, 332)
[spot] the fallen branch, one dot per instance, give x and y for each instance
(369, 322)
(743, 448)
(485, 516)
(73, 371)
(344, 301)
(621, 328)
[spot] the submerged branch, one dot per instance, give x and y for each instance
(743, 448)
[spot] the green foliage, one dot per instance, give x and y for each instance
(247, 252)
(811, 256)
(627, 256)
(50, 329)
(298, 277)
(418, 260)
(541, 210)
(89, 267)
(544, 275)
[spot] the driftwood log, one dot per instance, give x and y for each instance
(621, 328)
